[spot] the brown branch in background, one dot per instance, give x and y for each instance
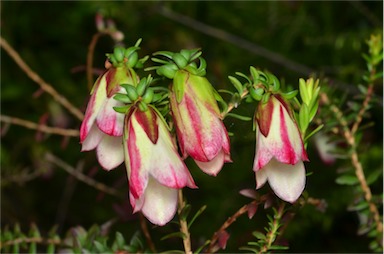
(91, 50)
(236, 40)
(144, 228)
(30, 240)
(363, 109)
(231, 220)
(184, 224)
(80, 176)
(359, 171)
(35, 77)
(39, 127)
(227, 223)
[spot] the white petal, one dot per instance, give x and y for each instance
(287, 181)
(214, 166)
(110, 152)
(261, 178)
(93, 139)
(160, 202)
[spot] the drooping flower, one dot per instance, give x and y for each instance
(154, 168)
(102, 127)
(280, 150)
(200, 130)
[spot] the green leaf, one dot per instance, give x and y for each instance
(360, 206)
(303, 118)
(258, 235)
(237, 84)
(347, 180)
(254, 73)
(185, 212)
(278, 247)
(119, 242)
(244, 76)
(197, 214)
(171, 235)
(289, 95)
(122, 97)
(123, 109)
(372, 177)
(240, 117)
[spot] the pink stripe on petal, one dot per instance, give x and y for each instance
(137, 181)
(288, 152)
(108, 120)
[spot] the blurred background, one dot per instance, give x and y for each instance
(291, 39)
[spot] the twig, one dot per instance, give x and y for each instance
(22, 177)
(350, 138)
(236, 40)
(39, 127)
(233, 105)
(35, 77)
(271, 235)
(30, 240)
(363, 109)
(144, 227)
(231, 220)
(184, 224)
(91, 49)
(80, 176)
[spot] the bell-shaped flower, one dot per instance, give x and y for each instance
(102, 127)
(200, 130)
(154, 168)
(280, 150)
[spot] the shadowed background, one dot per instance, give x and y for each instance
(291, 39)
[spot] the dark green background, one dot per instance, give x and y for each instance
(53, 37)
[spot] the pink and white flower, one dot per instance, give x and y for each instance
(154, 168)
(280, 150)
(200, 130)
(102, 127)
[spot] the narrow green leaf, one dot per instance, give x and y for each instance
(240, 117)
(123, 109)
(237, 84)
(347, 180)
(171, 235)
(360, 206)
(258, 235)
(185, 212)
(225, 91)
(244, 76)
(197, 214)
(372, 177)
(278, 247)
(32, 248)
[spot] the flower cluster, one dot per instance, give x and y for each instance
(126, 121)
(123, 123)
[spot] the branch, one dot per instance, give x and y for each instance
(80, 176)
(231, 220)
(144, 227)
(39, 127)
(35, 77)
(184, 225)
(359, 171)
(271, 235)
(91, 49)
